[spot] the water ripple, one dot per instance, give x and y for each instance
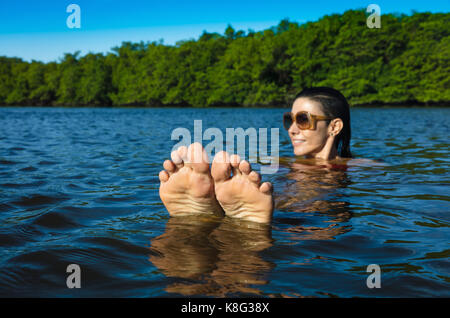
(80, 185)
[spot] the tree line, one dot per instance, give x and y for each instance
(405, 61)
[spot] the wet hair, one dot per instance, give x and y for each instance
(334, 105)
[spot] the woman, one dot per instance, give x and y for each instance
(322, 130)
(319, 128)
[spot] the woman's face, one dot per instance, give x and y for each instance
(308, 142)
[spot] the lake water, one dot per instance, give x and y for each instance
(80, 186)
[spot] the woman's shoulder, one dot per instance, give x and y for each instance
(335, 164)
(364, 162)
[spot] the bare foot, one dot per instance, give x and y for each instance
(186, 185)
(241, 195)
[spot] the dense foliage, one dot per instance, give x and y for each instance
(407, 60)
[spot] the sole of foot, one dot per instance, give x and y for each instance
(239, 190)
(186, 184)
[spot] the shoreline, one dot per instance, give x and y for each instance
(287, 105)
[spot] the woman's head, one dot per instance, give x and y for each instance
(329, 132)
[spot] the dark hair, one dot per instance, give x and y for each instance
(334, 105)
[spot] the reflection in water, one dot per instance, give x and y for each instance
(224, 255)
(310, 184)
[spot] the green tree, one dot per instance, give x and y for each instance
(407, 60)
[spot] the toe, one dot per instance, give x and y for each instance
(266, 187)
(163, 176)
(169, 166)
(176, 159)
(182, 152)
(244, 167)
(221, 168)
(235, 161)
(197, 159)
(255, 177)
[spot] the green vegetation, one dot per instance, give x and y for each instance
(406, 61)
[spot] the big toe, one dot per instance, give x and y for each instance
(197, 158)
(221, 167)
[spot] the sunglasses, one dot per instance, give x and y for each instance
(304, 120)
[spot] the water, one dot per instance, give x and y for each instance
(80, 186)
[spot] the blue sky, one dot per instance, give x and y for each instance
(37, 29)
